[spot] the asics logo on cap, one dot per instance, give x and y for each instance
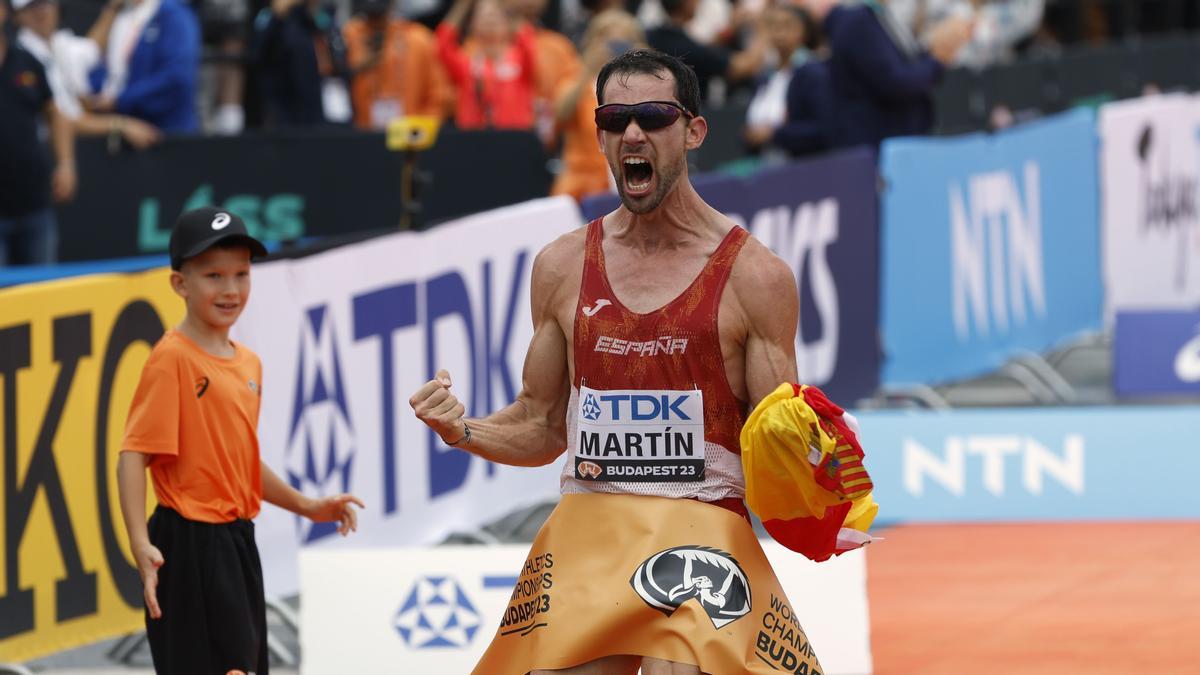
(220, 221)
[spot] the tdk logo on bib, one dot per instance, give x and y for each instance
(640, 435)
(637, 407)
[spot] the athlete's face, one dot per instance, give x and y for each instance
(647, 164)
(215, 285)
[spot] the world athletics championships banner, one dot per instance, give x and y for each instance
(990, 247)
(346, 336)
(820, 217)
(1034, 464)
(71, 354)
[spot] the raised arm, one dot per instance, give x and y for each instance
(532, 430)
(766, 291)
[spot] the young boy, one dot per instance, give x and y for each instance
(193, 423)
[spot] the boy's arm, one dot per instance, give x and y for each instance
(131, 485)
(323, 510)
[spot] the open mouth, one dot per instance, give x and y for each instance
(638, 173)
(227, 306)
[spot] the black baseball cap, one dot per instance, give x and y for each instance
(200, 229)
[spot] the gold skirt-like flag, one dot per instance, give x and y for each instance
(675, 579)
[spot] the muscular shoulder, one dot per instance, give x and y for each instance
(558, 267)
(764, 286)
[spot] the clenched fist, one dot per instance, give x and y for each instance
(439, 409)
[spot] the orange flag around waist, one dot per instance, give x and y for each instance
(675, 579)
(804, 471)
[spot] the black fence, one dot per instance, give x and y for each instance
(320, 183)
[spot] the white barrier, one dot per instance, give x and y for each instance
(347, 335)
(433, 611)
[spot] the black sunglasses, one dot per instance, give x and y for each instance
(650, 115)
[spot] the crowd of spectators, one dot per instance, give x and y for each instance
(817, 74)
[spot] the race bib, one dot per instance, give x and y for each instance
(639, 435)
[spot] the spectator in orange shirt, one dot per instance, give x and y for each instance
(393, 65)
(609, 34)
(557, 62)
(494, 84)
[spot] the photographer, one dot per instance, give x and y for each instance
(394, 67)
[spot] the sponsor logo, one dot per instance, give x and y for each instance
(437, 613)
(590, 409)
(321, 440)
(707, 575)
(1187, 361)
(996, 252)
(1169, 199)
(253, 386)
(600, 304)
(590, 470)
(201, 386)
(664, 345)
(220, 221)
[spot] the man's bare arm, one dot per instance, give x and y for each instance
(532, 430)
(772, 308)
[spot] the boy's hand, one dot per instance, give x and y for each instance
(336, 508)
(149, 559)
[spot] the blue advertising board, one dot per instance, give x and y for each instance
(819, 216)
(990, 247)
(1034, 464)
(1157, 353)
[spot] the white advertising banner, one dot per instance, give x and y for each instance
(346, 336)
(390, 611)
(1150, 178)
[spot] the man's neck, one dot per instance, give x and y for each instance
(680, 220)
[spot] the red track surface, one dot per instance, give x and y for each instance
(1057, 599)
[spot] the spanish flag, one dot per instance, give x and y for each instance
(804, 471)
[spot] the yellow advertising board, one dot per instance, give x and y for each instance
(71, 353)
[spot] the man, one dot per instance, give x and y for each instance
(28, 179)
(655, 328)
(67, 58)
(152, 65)
(882, 78)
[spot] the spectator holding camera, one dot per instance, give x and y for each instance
(882, 78)
(790, 112)
(609, 34)
(394, 67)
(151, 65)
(495, 82)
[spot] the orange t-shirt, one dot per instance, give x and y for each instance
(408, 80)
(557, 61)
(197, 416)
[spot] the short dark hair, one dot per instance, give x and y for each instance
(653, 62)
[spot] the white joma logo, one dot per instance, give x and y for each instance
(600, 304)
(220, 221)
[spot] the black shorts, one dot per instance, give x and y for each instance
(210, 590)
